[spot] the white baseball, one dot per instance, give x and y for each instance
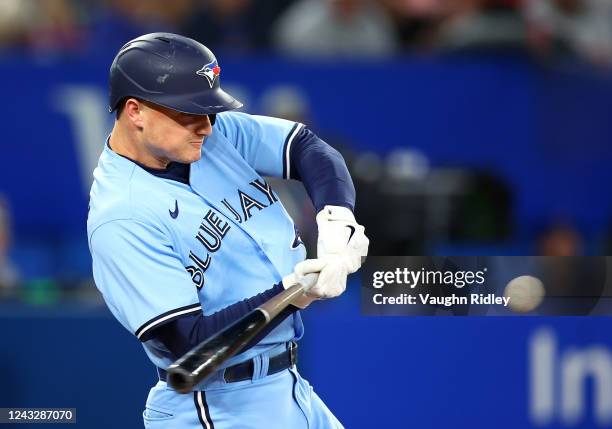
(525, 293)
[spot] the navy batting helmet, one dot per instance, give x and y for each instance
(169, 70)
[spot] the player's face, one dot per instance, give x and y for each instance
(174, 136)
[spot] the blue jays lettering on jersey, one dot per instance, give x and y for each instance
(163, 249)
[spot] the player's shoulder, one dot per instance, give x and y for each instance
(239, 125)
(122, 191)
(228, 122)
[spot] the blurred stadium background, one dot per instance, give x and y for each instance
(471, 127)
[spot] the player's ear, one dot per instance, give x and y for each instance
(132, 109)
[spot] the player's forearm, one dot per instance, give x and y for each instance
(322, 170)
(182, 334)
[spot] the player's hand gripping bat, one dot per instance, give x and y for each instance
(208, 356)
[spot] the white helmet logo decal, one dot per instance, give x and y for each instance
(210, 71)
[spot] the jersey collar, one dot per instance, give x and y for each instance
(174, 171)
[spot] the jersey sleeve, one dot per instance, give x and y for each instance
(140, 276)
(264, 142)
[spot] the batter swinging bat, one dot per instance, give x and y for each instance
(206, 357)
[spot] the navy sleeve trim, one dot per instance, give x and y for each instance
(287, 150)
(144, 332)
(321, 169)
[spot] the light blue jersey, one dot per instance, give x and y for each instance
(162, 249)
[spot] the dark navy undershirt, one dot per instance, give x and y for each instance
(322, 171)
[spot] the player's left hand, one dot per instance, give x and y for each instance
(342, 243)
(341, 237)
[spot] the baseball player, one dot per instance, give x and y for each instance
(187, 236)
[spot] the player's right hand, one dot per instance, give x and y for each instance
(308, 273)
(322, 279)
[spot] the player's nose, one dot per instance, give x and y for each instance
(204, 126)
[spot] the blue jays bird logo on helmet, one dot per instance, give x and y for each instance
(210, 71)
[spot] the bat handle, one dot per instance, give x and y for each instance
(278, 303)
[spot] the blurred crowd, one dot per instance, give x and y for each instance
(350, 28)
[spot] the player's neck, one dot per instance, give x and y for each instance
(125, 144)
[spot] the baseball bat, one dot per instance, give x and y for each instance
(209, 355)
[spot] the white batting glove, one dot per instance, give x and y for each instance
(307, 273)
(342, 243)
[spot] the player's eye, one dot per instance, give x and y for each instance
(185, 119)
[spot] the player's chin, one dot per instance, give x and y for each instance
(194, 154)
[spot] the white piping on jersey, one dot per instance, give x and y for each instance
(288, 151)
(202, 410)
(169, 316)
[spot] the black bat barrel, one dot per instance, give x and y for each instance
(207, 357)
